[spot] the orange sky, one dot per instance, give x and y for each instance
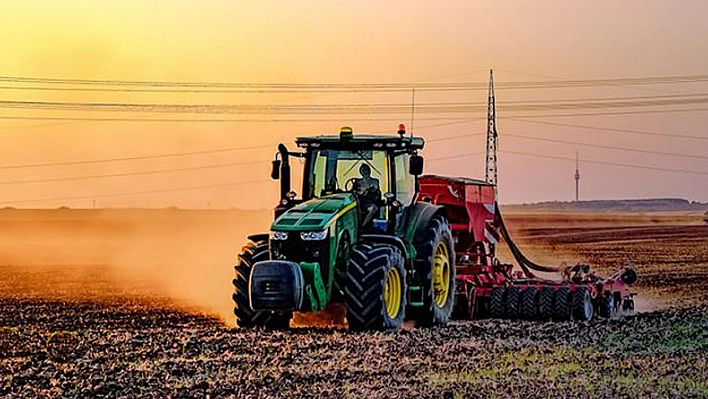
(346, 42)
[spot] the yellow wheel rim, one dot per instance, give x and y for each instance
(441, 275)
(392, 293)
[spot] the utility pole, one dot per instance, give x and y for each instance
(490, 172)
(577, 176)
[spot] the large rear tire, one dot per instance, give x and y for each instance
(254, 251)
(375, 291)
(436, 262)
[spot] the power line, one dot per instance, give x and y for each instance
(216, 120)
(139, 173)
(360, 108)
(189, 188)
(607, 163)
(170, 170)
(656, 111)
(121, 159)
(673, 79)
(321, 120)
(609, 147)
(455, 137)
(150, 172)
(465, 155)
(611, 129)
(128, 194)
(211, 151)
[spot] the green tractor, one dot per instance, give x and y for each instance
(358, 236)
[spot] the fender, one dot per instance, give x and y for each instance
(418, 218)
(386, 239)
(259, 237)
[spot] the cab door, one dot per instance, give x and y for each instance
(403, 187)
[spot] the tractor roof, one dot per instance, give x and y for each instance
(349, 141)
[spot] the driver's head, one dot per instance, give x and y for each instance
(365, 170)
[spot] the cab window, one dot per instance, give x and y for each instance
(334, 171)
(405, 182)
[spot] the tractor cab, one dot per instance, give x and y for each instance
(377, 172)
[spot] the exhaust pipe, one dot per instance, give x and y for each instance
(284, 170)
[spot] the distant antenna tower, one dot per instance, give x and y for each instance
(577, 177)
(490, 172)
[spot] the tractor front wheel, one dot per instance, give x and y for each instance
(375, 290)
(246, 317)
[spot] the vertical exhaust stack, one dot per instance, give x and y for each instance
(284, 170)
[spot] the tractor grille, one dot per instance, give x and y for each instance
(296, 250)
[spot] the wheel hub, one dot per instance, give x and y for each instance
(441, 275)
(392, 293)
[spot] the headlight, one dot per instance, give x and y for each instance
(313, 235)
(279, 235)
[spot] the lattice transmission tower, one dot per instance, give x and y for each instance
(490, 171)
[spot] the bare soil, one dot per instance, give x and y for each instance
(133, 304)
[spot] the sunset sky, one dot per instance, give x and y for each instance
(630, 154)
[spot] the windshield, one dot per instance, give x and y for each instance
(336, 171)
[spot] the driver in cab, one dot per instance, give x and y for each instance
(369, 193)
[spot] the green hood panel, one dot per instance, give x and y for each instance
(315, 214)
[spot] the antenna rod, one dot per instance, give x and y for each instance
(412, 110)
(577, 176)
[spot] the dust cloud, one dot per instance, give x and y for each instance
(174, 258)
(184, 258)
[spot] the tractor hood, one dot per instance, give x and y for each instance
(316, 214)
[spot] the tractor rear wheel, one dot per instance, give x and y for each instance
(545, 304)
(529, 308)
(511, 305)
(496, 303)
(561, 304)
(582, 304)
(254, 251)
(436, 262)
(375, 289)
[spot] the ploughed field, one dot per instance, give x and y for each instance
(132, 304)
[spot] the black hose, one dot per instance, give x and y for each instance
(525, 263)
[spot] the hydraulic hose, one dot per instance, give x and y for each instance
(525, 263)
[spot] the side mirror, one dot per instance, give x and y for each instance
(415, 165)
(275, 172)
